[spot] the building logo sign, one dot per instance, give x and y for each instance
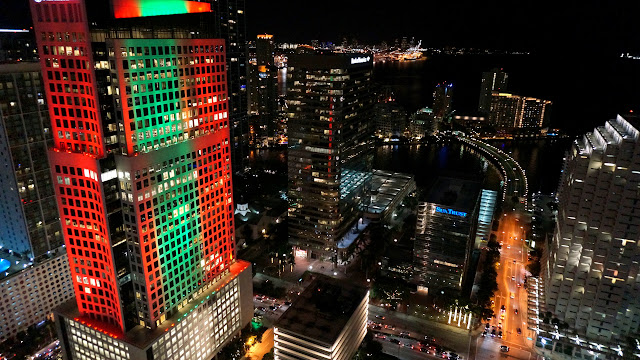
(360, 60)
(451, 212)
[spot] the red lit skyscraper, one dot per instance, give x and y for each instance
(65, 56)
(173, 170)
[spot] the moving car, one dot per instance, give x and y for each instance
(513, 295)
(519, 331)
(504, 348)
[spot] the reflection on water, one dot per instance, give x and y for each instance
(427, 162)
(542, 161)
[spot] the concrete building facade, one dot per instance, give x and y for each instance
(592, 280)
(327, 321)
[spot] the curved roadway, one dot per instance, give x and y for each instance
(515, 180)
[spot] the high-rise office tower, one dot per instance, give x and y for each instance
(442, 98)
(422, 123)
(592, 279)
(390, 118)
(170, 159)
(330, 153)
(263, 87)
(509, 111)
(231, 24)
(34, 272)
(493, 80)
(505, 110)
(31, 228)
(445, 230)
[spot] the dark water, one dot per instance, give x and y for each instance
(579, 102)
(427, 162)
(541, 160)
(585, 92)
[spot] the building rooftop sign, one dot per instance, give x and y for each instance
(451, 212)
(360, 59)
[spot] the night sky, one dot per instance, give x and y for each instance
(539, 26)
(578, 41)
(561, 26)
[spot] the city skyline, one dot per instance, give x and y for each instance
(227, 179)
(599, 27)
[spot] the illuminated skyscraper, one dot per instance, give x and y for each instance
(263, 86)
(231, 25)
(170, 159)
(445, 229)
(592, 281)
(34, 272)
(493, 80)
(442, 98)
(509, 111)
(330, 147)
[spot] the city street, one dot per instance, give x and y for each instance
(446, 336)
(511, 296)
(257, 351)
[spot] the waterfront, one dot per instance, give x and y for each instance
(542, 161)
(582, 96)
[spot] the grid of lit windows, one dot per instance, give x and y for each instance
(89, 344)
(175, 175)
(204, 330)
(64, 48)
(28, 297)
(78, 188)
(179, 220)
(168, 93)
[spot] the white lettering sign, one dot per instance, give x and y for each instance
(360, 60)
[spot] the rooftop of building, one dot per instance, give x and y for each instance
(323, 309)
(385, 187)
(456, 193)
(140, 336)
(19, 67)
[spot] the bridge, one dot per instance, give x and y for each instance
(513, 176)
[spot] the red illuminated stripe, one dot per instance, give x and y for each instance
(67, 67)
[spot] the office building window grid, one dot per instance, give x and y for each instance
(190, 338)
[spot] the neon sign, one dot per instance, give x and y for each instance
(144, 8)
(451, 212)
(360, 60)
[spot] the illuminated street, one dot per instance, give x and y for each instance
(257, 351)
(511, 272)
